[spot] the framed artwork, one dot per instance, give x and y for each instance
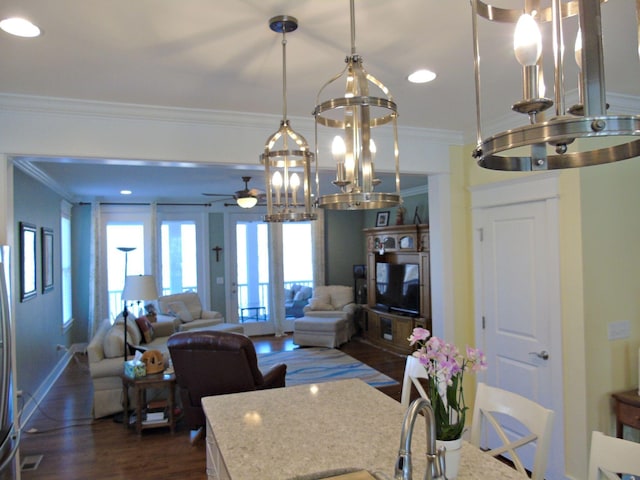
(27, 261)
(382, 219)
(47, 259)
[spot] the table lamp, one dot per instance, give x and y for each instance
(137, 288)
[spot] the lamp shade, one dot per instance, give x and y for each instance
(140, 287)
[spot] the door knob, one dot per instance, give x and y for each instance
(544, 355)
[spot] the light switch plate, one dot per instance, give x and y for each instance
(619, 330)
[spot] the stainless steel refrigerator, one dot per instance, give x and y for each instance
(9, 432)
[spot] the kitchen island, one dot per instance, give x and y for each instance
(294, 432)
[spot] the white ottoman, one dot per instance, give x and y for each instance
(320, 331)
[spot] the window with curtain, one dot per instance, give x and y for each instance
(121, 262)
(167, 242)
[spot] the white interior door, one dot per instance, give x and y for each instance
(518, 307)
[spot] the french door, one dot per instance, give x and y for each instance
(265, 259)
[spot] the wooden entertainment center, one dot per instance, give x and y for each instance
(399, 244)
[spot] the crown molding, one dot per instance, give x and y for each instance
(410, 192)
(31, 169)
(90, 108)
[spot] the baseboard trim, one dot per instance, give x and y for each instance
(35, 399)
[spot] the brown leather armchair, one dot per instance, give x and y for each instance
(210, 363)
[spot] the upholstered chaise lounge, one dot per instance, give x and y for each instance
(328, 319)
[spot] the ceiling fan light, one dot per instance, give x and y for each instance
(247, 202)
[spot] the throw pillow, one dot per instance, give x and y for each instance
(341, 296)
(180, 310)
(146, 329)
(134, 337)
(113, 343)
(321, 302)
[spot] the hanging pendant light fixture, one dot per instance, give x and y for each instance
(570, 137)
(353, 113)
(287, 157)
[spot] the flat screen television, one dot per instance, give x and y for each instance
(398, 287)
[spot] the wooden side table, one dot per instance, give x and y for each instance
(140, 385)
(627, 410)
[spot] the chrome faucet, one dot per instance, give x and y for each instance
(435, 459)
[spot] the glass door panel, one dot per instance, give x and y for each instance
(179, 257)
(255, 254)
(252, 270)
(297, 253)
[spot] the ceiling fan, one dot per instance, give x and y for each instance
(246, 198)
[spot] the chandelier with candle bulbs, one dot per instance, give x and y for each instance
(287, 157)
(358, 106)
(558, 137)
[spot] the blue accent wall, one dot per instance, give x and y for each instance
(38, 321)
(345, 242)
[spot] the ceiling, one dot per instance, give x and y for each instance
(221, 55)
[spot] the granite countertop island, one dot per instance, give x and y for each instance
(294, 432)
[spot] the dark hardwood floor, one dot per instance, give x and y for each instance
(74, 446)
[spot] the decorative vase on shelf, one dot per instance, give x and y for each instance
(451, 456)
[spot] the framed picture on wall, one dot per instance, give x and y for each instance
(47, 259)
(27, 261)
(382, 219)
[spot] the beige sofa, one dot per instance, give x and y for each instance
(188, 309)
(106, 356)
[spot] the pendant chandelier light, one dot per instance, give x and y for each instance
(569, 137)
(355, 112)
(287, 157)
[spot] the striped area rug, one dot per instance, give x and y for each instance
(317, 365)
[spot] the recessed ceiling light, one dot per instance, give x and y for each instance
(19, 27)
(421, 76)
(125, 192)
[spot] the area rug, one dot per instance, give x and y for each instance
(317, 365)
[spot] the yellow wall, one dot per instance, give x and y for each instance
(573, 336)
(611, 252)
(462, 249)
(599, 269)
